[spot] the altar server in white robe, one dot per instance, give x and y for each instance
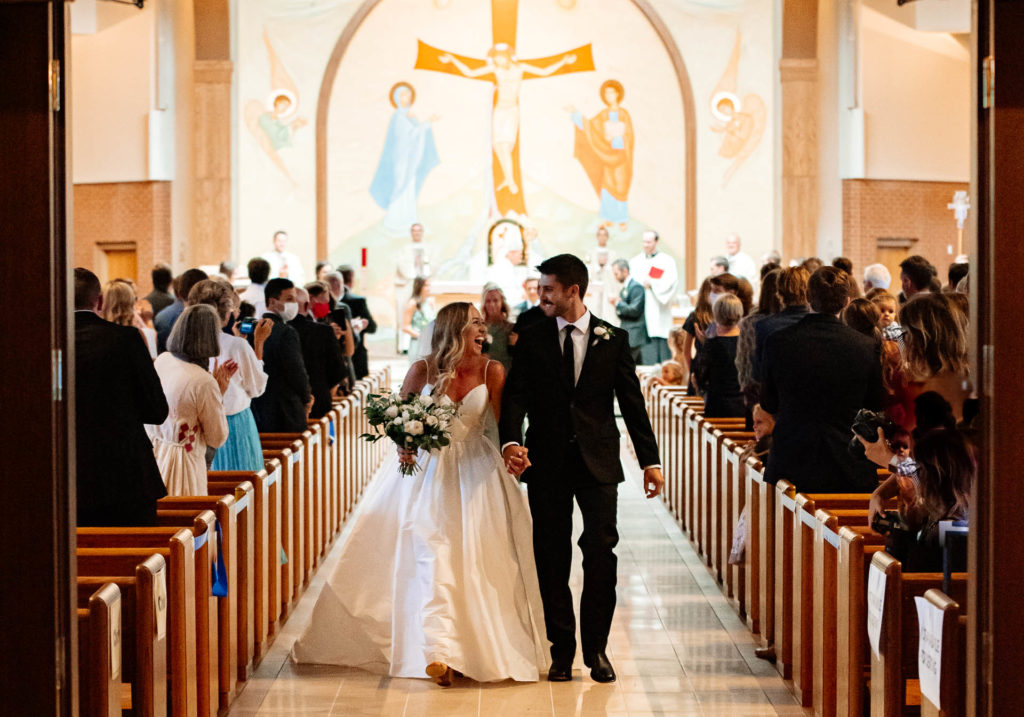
(657, 272)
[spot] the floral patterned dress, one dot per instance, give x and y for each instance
(195, 420)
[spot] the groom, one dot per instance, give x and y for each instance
(566, 370)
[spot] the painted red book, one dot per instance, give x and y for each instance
(656, 273)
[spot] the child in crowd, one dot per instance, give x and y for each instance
(672, 374)
(887, 307)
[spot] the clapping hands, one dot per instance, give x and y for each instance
(223, 373)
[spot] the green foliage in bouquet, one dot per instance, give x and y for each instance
(415, 423)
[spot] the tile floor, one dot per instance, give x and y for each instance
(676, 644)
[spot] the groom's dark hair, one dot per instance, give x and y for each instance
(568, 270)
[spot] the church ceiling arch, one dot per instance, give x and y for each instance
(596, 134)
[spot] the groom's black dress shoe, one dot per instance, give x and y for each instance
(601, 669)
(561, 670)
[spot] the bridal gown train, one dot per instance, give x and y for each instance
(438, 568)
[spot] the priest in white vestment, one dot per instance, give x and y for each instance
(660, 278)
(284, 264)
(740, 263)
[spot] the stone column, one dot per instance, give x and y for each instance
(211, 147)
(799, 81)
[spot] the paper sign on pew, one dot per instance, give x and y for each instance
(115, 639)
(876, 604)
(929, 649)
(160, 604)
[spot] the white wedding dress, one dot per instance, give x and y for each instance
(438, 568)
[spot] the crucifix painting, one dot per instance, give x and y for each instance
(506, 71)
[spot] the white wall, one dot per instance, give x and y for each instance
(917, 102)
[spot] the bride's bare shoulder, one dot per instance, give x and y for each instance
(417, 377)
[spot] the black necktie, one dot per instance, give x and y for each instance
(568, 357)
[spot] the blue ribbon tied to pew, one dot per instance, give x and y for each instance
(220, 572)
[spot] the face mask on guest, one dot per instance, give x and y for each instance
(321, 310)
(290, 310)
(715, 296)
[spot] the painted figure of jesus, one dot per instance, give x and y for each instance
(508, 72)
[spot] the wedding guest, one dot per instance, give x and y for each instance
(259, 272)
(532, 297)
(321, 355)
(323, 268)
(164, 321)
(957, 272)
(160, 297)
(419, 311)
(676, 344)
(339, 318)
(876, 276)
(722, 395)
(362, 322)
(629, 308)
(792, 290)
(494, 309)
(117, 392)
(695, 326)
(719, 265)
(768, 304)
(916, 276)
(196, 419)
(863, 317)
(670, 373)
(119, 308)
(812, 264)
(287, 400)
(242, 450)
(841, 262)
(817, 374)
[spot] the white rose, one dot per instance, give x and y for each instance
(428, 401)
(414, 428)
(443, 424)
(392, 412)
(431, 420)
(445, 401)
(405, 415)
(600, 331)
(397, 421)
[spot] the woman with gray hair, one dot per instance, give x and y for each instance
(195, 398)
(242, 450)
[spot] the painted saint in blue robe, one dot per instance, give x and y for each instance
(409, 155)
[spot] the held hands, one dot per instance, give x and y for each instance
(516, 459)
(653, 482)
(223, 373)
(406, 456)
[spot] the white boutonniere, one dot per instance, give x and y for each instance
(603, 333)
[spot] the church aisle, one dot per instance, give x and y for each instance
(677, 646)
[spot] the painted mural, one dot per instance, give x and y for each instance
(561, 115)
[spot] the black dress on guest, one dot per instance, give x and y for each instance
(723, 397)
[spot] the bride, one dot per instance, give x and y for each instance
(438, 575)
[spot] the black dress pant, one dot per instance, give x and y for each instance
(551, 503)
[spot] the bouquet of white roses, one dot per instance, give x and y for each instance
(413, 423)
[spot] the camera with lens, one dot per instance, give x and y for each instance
(866, 425)
(889, 521)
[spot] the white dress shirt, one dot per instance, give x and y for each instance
(254, 295)
(249, 381)
(579, 340)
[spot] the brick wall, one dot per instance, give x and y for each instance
(122, 215)
(874, 209)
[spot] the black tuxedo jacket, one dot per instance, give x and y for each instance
(322, 356)
(531, 317)
(117, 391)
(630, 311)
(282, 407)
(358, 306)
(817, 374)
(559, 414)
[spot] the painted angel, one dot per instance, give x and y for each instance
(274, 124)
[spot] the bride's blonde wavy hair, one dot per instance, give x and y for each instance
(447, 344)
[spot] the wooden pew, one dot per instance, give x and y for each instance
(224, 508)
(265, 508)
(344, 434)
(857, 546)
(720, 497)
(99, 653)
(300, 503)
(897, 661)
(759, 581)
(953, 667)
(246, 548)
(286, 578)
(143, 632)
(735, 481)
(179, 554)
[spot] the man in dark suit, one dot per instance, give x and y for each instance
(817, 375)
(160, 297)
(629, 307)
(165, 320)
(531, 292)
(565, 375)
(286, 403)
(321, 355)
(362, 322)
(117, 391)
(792, 290)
